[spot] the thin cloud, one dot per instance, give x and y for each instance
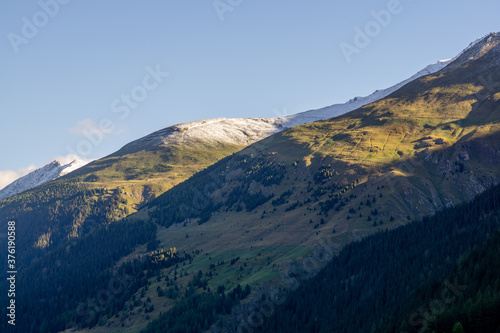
(85, 126)
(88, 126)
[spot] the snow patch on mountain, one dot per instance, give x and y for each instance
(245, 131)
(40, 176)
(357, 102)
(208, 133)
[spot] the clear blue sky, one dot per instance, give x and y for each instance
(262, 57)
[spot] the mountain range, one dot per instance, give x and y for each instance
(230, 131)
(202, 223)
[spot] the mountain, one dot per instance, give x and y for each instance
(312, 189)
(244, 131)
(40, 176)
(174, 226)
(121, 183)
(422, 138)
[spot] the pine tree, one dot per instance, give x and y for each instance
(458, 328)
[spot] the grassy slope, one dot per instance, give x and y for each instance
(104, 191)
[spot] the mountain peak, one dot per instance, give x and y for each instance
(51, 171)
(54, 163)
(478, 49)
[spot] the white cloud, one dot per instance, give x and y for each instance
(88, 127)
(85, 126)
(8, 176)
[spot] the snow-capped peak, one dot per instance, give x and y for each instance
(357, 102)
(51, 171)
(72, 166)
(244, 131)
(477, 48)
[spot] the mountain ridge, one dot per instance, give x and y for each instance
(264, 127)
(244, 131)
(249, 130)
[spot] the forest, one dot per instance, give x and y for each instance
(55, 287)
(57, 211)
(197, 312)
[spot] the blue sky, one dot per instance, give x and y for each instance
(67, 66)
